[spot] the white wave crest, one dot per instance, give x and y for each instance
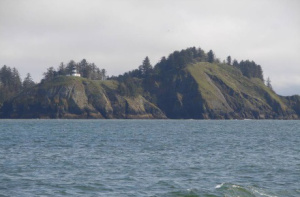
(219, 186)
(261, 193)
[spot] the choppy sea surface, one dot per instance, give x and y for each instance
(163, 158)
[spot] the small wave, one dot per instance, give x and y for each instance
(219, 186)
(234, 190)
(236, 186)
(261, 193)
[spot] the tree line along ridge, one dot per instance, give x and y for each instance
(11, 83)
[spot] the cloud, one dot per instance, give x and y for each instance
(117, 35)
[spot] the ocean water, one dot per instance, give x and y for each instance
(162, 158)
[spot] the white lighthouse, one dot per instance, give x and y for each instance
(75, 73)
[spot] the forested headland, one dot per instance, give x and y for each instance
(190, 83)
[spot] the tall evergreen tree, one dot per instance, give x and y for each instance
(62, 69)
(28, 82)
(250, 69)
(6, 75)
(50, 74)
(210, 56)
(229, 60)
(268, 83)
(146, 67)
(103, 74)
(16, 80)
(84, 69)
(10, 83)
(235, 63)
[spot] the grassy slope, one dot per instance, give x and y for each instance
(233, 79)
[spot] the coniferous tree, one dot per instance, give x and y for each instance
(28, 82)
(250, 69)
(16, 80)
(229, 60)
(210, 56)
(50, 74)
(161, 67)
(146, 67)
(10, 83)
(268, 83)
(86, 70)
(235, 63)
(103, 74)
(62, 69)
(6, 75)
(201, 55)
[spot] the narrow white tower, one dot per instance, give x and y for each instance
(75, 73)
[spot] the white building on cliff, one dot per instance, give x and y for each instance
(75, 73)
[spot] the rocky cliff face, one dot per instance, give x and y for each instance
(72, 97)
(229, 94)
(210, 91)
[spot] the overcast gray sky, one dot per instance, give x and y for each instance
(118, 34)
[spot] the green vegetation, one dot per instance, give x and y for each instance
(11, 84)
(250, 69)
(85, 69)
(268, 83)
(230, 78)
(205, 86)
(211, 57)
(187, 84)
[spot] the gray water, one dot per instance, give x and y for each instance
(169, 158)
